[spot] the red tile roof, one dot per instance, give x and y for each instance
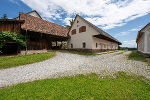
(39, 25)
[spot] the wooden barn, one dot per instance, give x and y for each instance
(11, 25)
(41, 34)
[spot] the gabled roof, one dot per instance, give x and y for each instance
(39, 25)
(140, 33)
(99, 30)
(35, 12)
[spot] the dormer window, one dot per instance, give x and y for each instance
(82, 29)
(73, 31)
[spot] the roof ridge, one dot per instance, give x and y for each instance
(98, 29)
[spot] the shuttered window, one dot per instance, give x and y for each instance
(82, 29)
(73, 32)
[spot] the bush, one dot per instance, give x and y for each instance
(7, 36)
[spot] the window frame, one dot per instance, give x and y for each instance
(73, 32)
(71, 45)
(82, 29)
(84, 45)
(96, 45)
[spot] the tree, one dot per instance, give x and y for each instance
(7, 36)
(71, 23)
(4, 16)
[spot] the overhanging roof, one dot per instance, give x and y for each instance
(106, 38)
(11, 20)
(39, 25)
(101, 32)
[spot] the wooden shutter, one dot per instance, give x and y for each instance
(73, 31)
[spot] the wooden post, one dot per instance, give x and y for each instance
(56, 43)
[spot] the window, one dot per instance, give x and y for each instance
(73, 32)
(82, 29)
(84, 45)
(71, 45)
(96, 45)
(77, 21)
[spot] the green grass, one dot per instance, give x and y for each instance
(83, 53)
(92, 54)
(82, 87)
(135, 55)
(148, 63)
(7, 62)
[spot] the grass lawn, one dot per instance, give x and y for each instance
(7, 62)
(83, 53)
(135, 55)
(93, 54)
(81, 87)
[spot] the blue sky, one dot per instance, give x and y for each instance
(120, 18)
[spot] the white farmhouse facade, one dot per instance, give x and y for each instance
(84, 36)
(143, 40)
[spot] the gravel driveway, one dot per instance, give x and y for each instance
(65, 64)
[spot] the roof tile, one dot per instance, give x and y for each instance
(39, 25)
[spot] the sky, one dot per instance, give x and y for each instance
(120, 18)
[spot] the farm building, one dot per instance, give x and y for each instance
(143, 40)
(87, 37)
(41, 34)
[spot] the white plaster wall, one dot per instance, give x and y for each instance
(147, 41)
(78, 38)
(148, 44)
(144, 41)
(141, 43)
(104, 44)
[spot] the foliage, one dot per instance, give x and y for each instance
(4, 16)
(135, 55)
(126, 48)
(81, 87)
(8, 62)
(71, 23)
(6, 36)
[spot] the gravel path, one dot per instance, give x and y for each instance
(65, 64)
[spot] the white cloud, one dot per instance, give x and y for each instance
(66, 20)
(15, 2)
(131, 44)
(135, 29)
(124, 33)
(105, 13)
